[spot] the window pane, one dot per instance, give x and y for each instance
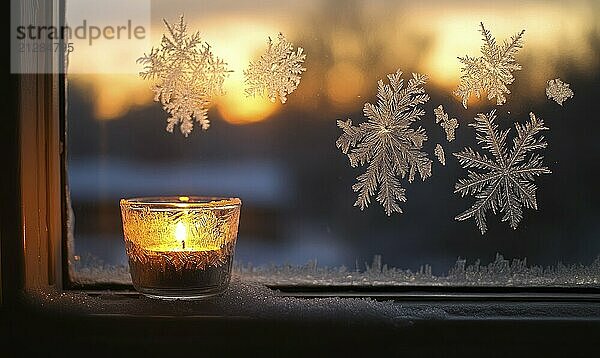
(297, 186)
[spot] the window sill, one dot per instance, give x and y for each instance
(252, 317)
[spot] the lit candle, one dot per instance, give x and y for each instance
(180, 247)
(181, 233)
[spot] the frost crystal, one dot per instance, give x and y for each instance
(277, 72)
(558, 90)
(506, 182)
(387, 142)
(500, 272)
(491, 72)
(439, 153)
(449, 125)
(440, 115)
(186, 76)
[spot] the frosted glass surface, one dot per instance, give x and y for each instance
(296, 184)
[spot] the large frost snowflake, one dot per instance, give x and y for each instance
(278, 71)
(492, 71)
(388, 143)
(186, 76)
(558, 91)
(504, 183)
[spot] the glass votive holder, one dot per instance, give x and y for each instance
(180, 247)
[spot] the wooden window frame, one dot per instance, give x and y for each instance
(33, 142)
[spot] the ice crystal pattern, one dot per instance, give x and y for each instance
(492, 71)
(185, 76)
(500, 272)
(440, 115)
(505, 182)
(388, 143)
(449, 125)
(278, 71)
(439, 154)
(558, 91)
(144, 228)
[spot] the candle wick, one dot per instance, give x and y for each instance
(183, 244)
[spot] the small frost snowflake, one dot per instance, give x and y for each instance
(492, 71)
(388, 143)
(278, 71)
(449, 125)
(439, 154)
(186, 76)
(559, 91)
(440, 115)
(504, 183)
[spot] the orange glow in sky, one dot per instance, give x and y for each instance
(337, 65)
(238, 43)
(345, 83)
(113, 95)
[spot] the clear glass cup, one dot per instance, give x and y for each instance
(180, 247)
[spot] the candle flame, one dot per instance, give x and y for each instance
(180, 232)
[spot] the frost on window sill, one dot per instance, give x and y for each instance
(500, 272)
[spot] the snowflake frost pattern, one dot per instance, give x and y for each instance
(505, 182)
(558, 91)
(388, 143)
(449, 125)
(185, 75)
(439, 154)
(278, 71)
(440, 115)
(492, 71)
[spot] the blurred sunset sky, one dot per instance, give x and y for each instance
(282, 159)
(350, 45)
